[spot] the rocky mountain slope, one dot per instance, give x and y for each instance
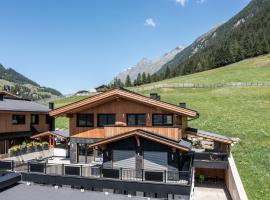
(148, 66)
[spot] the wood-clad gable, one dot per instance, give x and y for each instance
(121, 93)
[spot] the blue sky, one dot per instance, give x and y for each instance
(79, 44)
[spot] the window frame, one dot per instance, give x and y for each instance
(107, 114)
(18, 122)
(86, 115)
(136, 119)
(36, 118)
(163, 119)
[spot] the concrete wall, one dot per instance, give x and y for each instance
(233, 182)
(31, 156)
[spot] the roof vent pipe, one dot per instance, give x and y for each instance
(155, 96)
(182, 105)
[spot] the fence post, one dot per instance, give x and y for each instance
(165, 176)
(28, 167)
(45, 168)
(81, 171)
(12, 165)
(142, 174)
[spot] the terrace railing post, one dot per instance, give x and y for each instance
(45, 168)
(28, 167)
(12, 165)
(165, 176)
(81, 170)
(63, 169)
(100, 171)
(142, 174)
(120, 173)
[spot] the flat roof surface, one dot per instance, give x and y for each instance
(40, 192)
(22, 106)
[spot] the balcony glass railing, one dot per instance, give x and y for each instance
(125, 174)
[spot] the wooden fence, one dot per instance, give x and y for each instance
(198, 85)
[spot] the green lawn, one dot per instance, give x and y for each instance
(250, 70)
(242, 112)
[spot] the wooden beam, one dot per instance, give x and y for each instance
(138, 140)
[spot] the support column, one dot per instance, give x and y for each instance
(73, 152)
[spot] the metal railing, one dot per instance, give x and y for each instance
(211, 156)
(173, 177)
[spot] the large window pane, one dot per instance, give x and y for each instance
(167, 119)
(85, 120)
(18, 119)
(136, 119)
(106, 119)
(162, 119)
(34, 119)
(157, 119)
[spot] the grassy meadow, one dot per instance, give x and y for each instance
(241, 112)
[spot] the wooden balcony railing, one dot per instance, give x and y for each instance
(174, 133)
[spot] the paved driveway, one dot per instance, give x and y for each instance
(38, 192)
(210, 192)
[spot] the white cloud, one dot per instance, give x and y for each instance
(150, 22)
(184, 2)
(201, 1)
(181, 2)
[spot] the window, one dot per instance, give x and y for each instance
(18, 119)
(85, 120)
(34, 119)
(106, 119)
(136, 119)
(162, 119)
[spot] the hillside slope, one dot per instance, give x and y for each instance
(18, 84)
(245, 35)
(251, 70)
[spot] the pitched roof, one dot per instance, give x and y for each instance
(60, 134)
(213, 136)
(9, 95)
(182, 145)
(22, 106)
(123, 93)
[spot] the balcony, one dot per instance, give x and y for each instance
(98, 178)
(211, 160)
(172, 132)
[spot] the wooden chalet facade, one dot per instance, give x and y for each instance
(19, 120)
(133, 131)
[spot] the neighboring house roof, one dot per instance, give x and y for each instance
(126, 94)
(101, 87)
(22, 106)
(213, 136)
(182, 145)
(12, 135)
(9, 95)
(60, 134)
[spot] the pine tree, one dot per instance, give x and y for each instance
(167, 73)
(148, 79)
(143, 78)
(139, 79)
(128, 81)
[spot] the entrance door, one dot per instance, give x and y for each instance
(154, 160)
(124, 159)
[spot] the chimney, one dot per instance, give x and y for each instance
(52, 119)
(155, 96)
(182, 105)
